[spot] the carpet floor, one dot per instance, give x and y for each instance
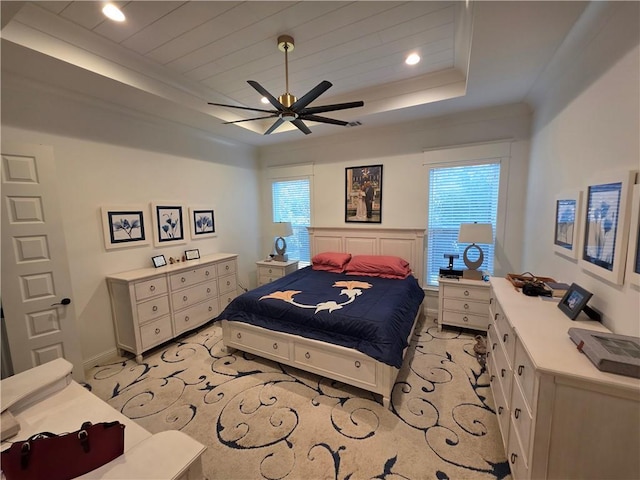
(263, 420)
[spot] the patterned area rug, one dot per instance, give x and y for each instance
(263, 420)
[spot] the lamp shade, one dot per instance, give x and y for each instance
(282, 229)
(475, 233)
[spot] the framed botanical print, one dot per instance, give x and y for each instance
(633, 252)
(363, 194)
(202, 222)
(567, 224)
(606, 226)
(168, 223)
(124, 227)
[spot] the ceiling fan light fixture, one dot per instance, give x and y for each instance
(288, 116)
(412, 59)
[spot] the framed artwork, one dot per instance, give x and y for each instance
(606, 226)
(124, 227)
(168, 224)
(159, 261)
(567, 224)
(192, 254)
(574, 301)
(363, 194)
(633, 252)
(202, 221)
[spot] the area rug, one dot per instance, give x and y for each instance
(263, 420)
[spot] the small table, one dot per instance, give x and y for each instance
(268, 271)
(463, 303)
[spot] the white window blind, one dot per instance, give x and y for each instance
(292, 203)
(459, 194)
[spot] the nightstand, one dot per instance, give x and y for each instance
(269, 271)
(463, 303)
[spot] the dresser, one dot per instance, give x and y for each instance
(153, 305)
(559, 416)
(269, 271)
(463, 303)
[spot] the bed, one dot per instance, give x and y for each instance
(370, 319)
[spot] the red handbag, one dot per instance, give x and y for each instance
(61, 457)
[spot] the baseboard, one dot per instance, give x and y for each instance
(100, 359)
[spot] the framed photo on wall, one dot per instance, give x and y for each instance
(124, 227)
(363, 194)
(202, 222)
(633, 252)
(606, 226)
(567, 224)
(168, 223)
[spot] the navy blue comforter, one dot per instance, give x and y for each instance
(370, 314)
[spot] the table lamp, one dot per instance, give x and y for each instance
(474, 233)
(281, 230)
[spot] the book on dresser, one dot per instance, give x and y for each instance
(558, 289)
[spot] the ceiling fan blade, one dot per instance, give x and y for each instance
(316, 118)
(273, 127)
(250, 119)
(330, 108)
(301, 126)
(311, 95)
(262, 91)
(242, 108)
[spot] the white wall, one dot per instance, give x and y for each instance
(106, 168)
(579, 133)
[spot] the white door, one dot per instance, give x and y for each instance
(36, 287)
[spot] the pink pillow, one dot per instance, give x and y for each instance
(330, 261)
(385, 266)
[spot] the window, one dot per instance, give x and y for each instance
(462, 193)
(291, 201)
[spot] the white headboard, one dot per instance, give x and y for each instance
(407, 243)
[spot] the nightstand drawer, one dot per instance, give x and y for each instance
(466, 306)
(274, 272)
(150, 288)
(191, 296)
(466, 292)
(151, 309)
(191, 277)
(156, 332)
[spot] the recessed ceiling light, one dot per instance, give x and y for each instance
(113, 12)
(412, 59)
(264, 100)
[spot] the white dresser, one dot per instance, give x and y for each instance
(269, 271)
(560, 417)
(153, 305)
(463, 303)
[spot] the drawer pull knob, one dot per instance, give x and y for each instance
(228, 283)
(466, 293)
(155, 308)
(502, 372)
(239, 335)
(270, 271)
(513, 458)
(516, 413)
(184, 298)
(157, 331)
(208, 290)
(490, 300)
(520, 369)
(152, 288)
(210, 308)
(357, 364)
(505, 337)
(495, 316)
(307, 355)
(206, 273)
(466, 306)
(229, 300)
(492, 377)
(226, 267)
(493, 347)
(186, 319)
(465, 318)
(275, 346)
(500, 409)
(183, 279)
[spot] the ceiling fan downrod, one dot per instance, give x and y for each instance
(286, 45)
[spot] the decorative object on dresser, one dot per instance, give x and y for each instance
(609, 352)
(474, 233)
(281, 230)
(153, 305)
(463, 303)
(202, 222)
(567, 226)
(363, 196)
(271, 270)
(168, 223)
(557, 289)
(519, 280)
(633, 252)
(551, 401)
(606, 228)
(574, 301)
(193, 254)
(159, 261)
(124, 227)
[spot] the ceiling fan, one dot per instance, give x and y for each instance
(288, 107)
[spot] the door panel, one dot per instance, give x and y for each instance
(35, 270)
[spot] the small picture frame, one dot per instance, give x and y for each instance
(193, 254)
(567, 224)
(574, 301)
(203, 224)
(159, 261)
(363, 194)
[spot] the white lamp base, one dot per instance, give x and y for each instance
(472, 274)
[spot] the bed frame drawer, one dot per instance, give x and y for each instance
(363, 371)
(260, 343)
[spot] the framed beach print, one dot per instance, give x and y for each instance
(168, 223)
(633, 252)
(363, 194)
(124, 227)
(202, 222)
(567, 224)
(606, 226)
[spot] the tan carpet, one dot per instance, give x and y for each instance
(263, 420)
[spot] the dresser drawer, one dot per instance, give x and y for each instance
(466, 306)
(228, 283)
(516, 458)
(363, 371)
(156, 332)
(192, 295)
(227, 267)
(468, 320)
(500, 401)
(150, 288)
(191, 277)
(502, 368)
(505, 335)
(525, 374)
(151, 309)
(466, 292)
(260, 342)
(227, 298)
(521, 418)
(196, 315)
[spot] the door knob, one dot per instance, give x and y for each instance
(64, 301)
